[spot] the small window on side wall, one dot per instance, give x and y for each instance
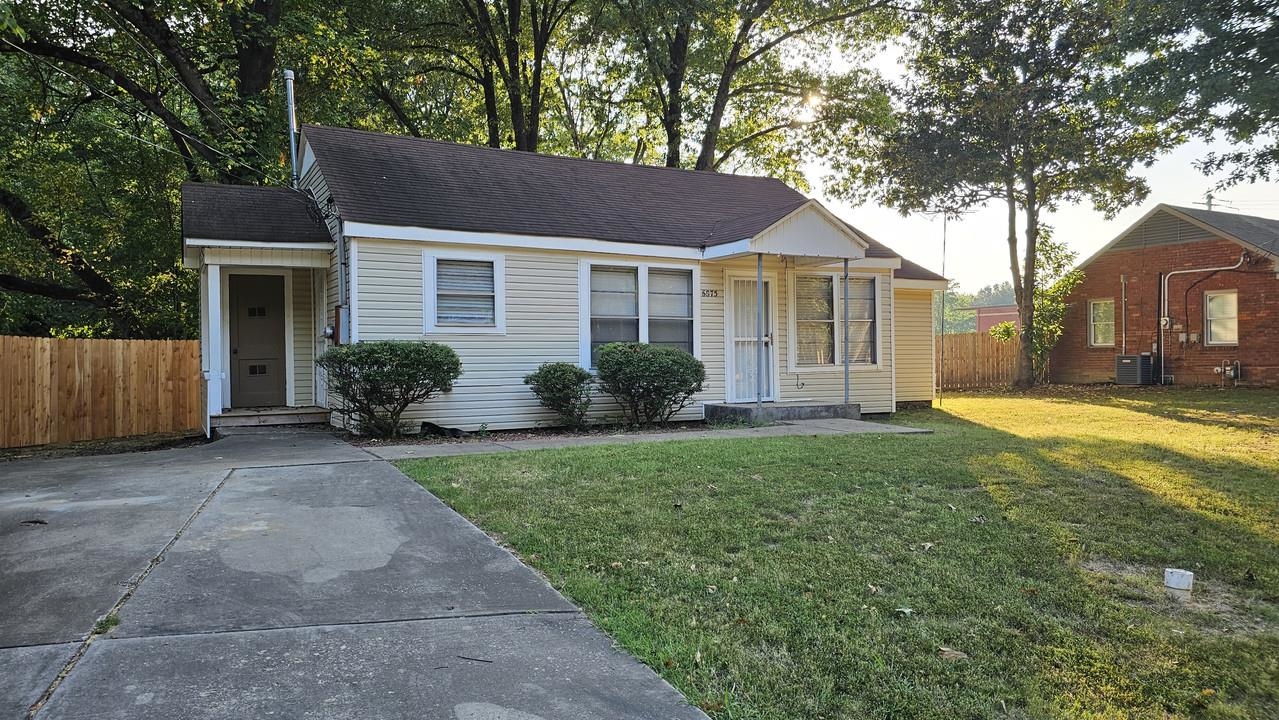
(464, 294)
(1221, 317)
(1101, 323)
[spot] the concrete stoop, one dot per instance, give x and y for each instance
(780, 412)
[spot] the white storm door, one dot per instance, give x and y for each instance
(745, 342)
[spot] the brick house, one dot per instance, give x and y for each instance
(1222, 278)
(988, 316)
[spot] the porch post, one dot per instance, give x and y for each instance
(215, 374)
(759, 331)
(845, 314)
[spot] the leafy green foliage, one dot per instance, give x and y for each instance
(1010, 100)
(375, 382)
(1057, 278)
(650, 382)
(1216, 61)
(564, 389)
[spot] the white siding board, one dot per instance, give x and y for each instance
(303, 338)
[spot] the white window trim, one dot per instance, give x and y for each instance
(1113, 322)
(792, 322)
(1207, 336)
(430, 259)
(642, 268)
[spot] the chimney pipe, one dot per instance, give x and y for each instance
(293, 128)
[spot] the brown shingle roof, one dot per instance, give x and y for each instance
(413, 182)
(249, 212)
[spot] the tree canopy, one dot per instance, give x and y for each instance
(1014, 101)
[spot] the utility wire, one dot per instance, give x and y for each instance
(132, 110)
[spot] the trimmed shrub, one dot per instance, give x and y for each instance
(650, 382)
(377, 381)
(564, 389)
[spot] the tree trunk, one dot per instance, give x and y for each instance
(673, 112)
(492, 121)
(1026, 375)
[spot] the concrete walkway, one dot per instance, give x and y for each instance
(286, 575)
(834, 426)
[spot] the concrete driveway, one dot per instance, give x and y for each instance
(282, 575)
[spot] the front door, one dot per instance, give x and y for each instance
(257, 340)
(749, 377)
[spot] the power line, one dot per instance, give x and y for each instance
(131, 110)
(173, 76)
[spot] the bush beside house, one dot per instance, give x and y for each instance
(650, 382)
(377, 381)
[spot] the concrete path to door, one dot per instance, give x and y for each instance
(282, 575)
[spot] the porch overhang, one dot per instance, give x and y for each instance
(810, 234)
(198, 252)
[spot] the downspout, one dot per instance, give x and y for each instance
(1123, 317)
(1164, 321)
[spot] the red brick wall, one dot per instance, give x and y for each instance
(1191, 363)
(989, 317)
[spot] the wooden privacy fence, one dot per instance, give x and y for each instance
(54, 390)
(975, 360)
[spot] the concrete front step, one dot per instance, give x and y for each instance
(781, 412)
(258, 417)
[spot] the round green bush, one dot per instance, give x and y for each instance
(564, 389)
(650, 382)
(377, 381)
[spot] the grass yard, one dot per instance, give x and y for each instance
(1008, 565)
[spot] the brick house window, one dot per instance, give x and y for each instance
(1221, 317)
(1101, 323)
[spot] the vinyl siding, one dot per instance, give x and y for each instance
(915, 345)
(303, 338)
(542, 325)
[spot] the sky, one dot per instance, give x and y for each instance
(976, 245)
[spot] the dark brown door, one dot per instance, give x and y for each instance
(257, 340)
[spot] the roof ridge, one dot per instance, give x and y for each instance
(544, 155)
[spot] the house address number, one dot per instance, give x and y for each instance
(710, 293)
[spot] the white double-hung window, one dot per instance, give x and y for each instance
(1101, 323)
(636, 303)
(1221, 317)
(816, 302)
(463, 293)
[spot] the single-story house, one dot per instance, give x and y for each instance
(515, 259)
(1196, 289)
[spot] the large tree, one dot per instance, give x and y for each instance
(1011, 101)
(1222, 57)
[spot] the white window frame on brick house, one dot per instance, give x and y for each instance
(1209, 319)
(430, 294)
(1092, 322)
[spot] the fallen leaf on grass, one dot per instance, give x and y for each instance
(904, 611)
(615, 565)
(926, 546)
(980, 519)
(874, 589)
(946, 653)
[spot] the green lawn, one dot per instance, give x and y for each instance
(820, 577)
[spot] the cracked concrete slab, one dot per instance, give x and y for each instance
(346, 543)
(521, 667)
(26, 672)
